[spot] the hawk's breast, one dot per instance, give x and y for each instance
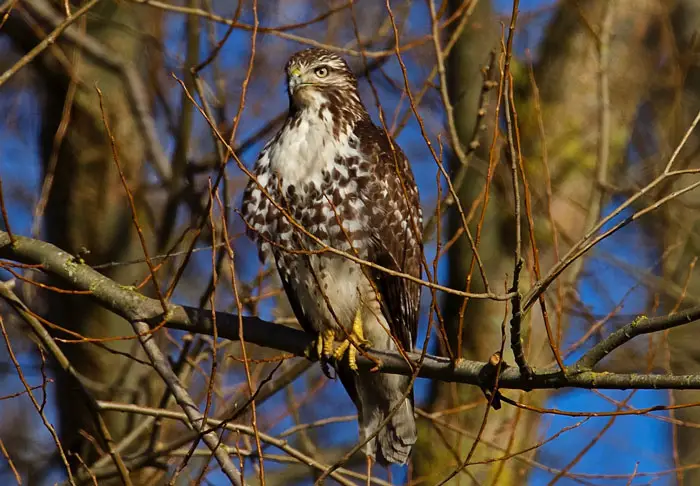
(316, 179)
(315, 182)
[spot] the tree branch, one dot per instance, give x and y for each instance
(191, 411)
(133, 84)
(135, 307)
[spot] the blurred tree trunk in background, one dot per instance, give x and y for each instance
(438, 451)
(569, 107)
(681, 231)
(88, 215)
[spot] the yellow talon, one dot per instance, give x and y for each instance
(322, 347)
(340, 351)
(355, 339)
(319, 345)
(327, 339)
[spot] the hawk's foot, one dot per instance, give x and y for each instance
(354, 340)
(324, 345)
(322, 349)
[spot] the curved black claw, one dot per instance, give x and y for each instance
(327, 369)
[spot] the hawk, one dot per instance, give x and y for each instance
(330, 178)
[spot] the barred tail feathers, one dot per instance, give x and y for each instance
(396, 439)
(376, 395)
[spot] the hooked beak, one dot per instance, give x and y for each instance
(294, 79)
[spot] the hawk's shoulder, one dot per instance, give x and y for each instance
(391, 167)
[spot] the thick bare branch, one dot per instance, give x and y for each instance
(135, 307)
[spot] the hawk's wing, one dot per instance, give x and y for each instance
(395, 226)
(293, 301)
(400, 298)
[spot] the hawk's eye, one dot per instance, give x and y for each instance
(321, 72)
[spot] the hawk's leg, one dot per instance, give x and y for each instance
(322, 349)
(324, 344)
(355, 338)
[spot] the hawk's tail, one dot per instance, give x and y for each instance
(396, 439)
(375, 396)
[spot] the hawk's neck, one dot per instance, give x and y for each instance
(314, 140)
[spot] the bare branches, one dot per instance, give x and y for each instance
(515, 162)
(138, 308)
(641, 325)
(194, 416)
(60, 28)
(590, 239)
(266, 438)
(48, 343)
(133, 83)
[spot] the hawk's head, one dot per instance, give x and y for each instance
(317, 76)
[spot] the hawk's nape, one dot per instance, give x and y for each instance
(331, 178)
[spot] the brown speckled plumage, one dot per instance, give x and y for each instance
(345, 182)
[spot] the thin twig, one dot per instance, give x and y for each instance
(10, 463)
(132, 204)
(5, 218)
(39, 409)
(514, 156)
(48, 41)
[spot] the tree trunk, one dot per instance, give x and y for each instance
(88, 215)
(567, 76)
(681, 231)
